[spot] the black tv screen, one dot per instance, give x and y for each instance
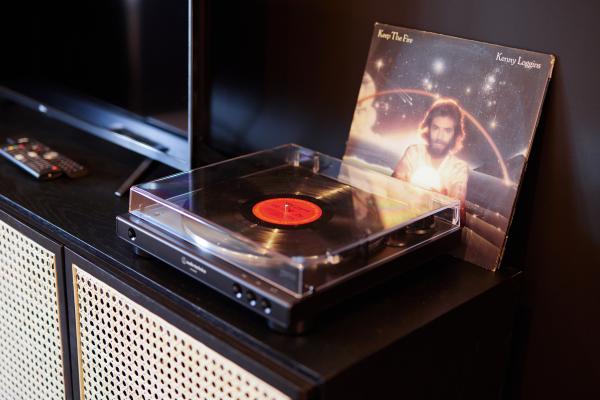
(119, 67)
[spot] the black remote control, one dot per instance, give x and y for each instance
(41, 161)
(21, 152)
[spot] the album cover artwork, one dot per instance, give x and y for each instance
(455, 116)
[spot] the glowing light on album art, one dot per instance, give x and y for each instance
(427, 178)
(506, 179)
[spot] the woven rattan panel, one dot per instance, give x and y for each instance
(30, 338)
(127, 352)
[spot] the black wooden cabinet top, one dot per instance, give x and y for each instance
(81, 214)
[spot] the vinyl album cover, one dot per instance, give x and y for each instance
(455, 116)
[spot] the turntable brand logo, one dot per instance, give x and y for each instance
(192, 264)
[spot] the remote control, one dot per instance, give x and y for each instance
(39, 160)
(22, 154)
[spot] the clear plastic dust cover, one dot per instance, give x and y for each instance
(296, 218)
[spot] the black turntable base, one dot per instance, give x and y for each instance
(283, 312)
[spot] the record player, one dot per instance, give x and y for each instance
(288, 232)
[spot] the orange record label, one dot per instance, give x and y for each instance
(287, 211)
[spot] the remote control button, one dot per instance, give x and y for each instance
(19, 157)
(51, 155)
(32, 154)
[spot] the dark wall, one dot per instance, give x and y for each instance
(290, 71)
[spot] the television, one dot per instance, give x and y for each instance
(129, 71)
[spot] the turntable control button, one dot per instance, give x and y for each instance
(266, 306)
(237, 291)
(251, 298)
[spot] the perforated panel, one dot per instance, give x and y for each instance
(30, 338)
(128, 352)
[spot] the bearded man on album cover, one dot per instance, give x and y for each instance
(434, 165)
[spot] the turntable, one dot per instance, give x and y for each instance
(288, 232)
